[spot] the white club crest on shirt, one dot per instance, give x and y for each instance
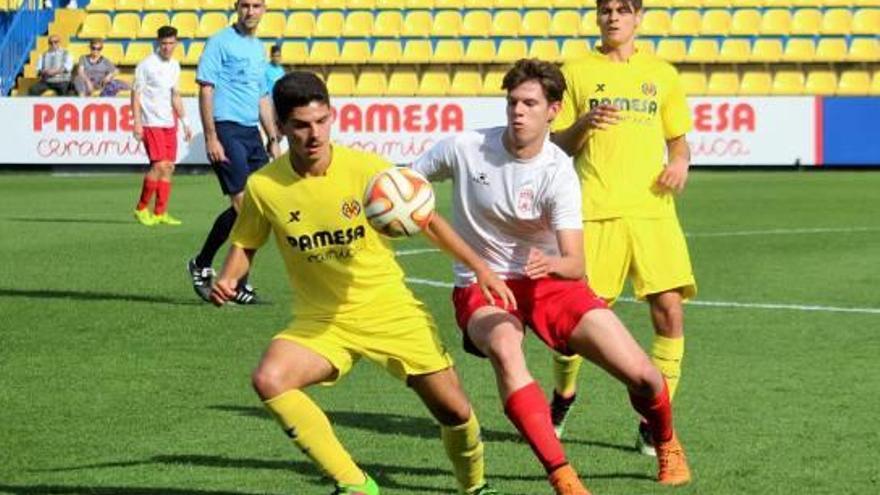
(525, 199)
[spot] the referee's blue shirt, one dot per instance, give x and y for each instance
(236, 66)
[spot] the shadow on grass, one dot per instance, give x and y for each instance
(68, 220)
(108, 490)
(78, 295)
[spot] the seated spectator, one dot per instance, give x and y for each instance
(96, 73)
(54, 69)
(274, 70)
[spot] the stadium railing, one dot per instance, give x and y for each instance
(28, 22)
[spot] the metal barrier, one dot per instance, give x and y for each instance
(28, 22)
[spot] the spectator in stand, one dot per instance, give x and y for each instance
(95, 73)
(275, 70)
(54, 69)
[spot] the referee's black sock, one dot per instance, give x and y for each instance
(218, 235)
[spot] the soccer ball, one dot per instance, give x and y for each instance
(399, 202)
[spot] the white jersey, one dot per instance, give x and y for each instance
(503, 206)
(154, 80)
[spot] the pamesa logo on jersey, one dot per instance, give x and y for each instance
(640, 105)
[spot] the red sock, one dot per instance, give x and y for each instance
(528, 410)
(657, 411)
(163, 192)
(147, 191)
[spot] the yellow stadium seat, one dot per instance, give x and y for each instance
(510, 51)
(516, 4)
(492, 83)
(184, 5)
(854, 82)
(776, 22)
(449, 4)
(293, 52)
(129, 5)
(687, 4)
(656, 4)
(588, 24)
(479, 52)
(403, 82)
(302, 4)
(573, 49)
(788, 82)
(95, 26)
(750, 3)
(735, 50)
(655, 23)
(358, 24)
(466, 82)
(694, 83)
(875, 84)
(157, 5)
(715, 22)
(188, 85)
(570, 4)
(671, 50)
(477, 4)
(535, 23)
(723, 82)
(806, 21)
(821, 82)
(217, 5)
(716, 4)
(299, 25)
(477, 23)
(767, 50)
(324, 5)
(866, 3)
(685, 22)
(360, 4)
(328, 24)
(340, 82)
(76, 50)
(506, 23)
(836, 21)
(702, 50)
(137, 51)
(417, 52)
(418, 4)
(272, 5)
(799, 50)
(371, 82)
(388, 23)
(387, 51)
(866, 21)
(271, 25)
(831, 50)
(417, 24)
(101, 6)
(545, 50)
(383, 5)
(756, 83)
(151, 23)
(864, 50)
(354, 52)
(448, 52)
(324, 52)
(210, 23)
(186, 23)
(745, 22)
(565, 23)
(434, 82)
(447, 23)
(113, 51)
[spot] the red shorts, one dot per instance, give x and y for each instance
(161, 144)
(551, 307)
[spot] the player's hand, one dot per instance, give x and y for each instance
(223, 290)
(602, 116)
(187, 133)
(674, 177)
(215, 151)
(491, 285)
(539, 265)
(138, 132)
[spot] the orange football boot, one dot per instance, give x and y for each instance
(673, 464)
(565, 481)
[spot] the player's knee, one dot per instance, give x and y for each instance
(647, 380)
(268, 381)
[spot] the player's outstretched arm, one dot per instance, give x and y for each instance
(444, 236)
(570, 262)
(237, 264)
(675, 173)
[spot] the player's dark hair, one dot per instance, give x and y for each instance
(166, 32)
(547, 74)
(275, 49)
(635, 4)
(298, 89)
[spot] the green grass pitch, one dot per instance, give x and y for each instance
(115, 379)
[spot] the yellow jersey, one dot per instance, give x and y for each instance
(339, 267)
(618, 166)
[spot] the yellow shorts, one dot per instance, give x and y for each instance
(652, 251)
(404, 341)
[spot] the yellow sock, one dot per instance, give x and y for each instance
(464, 447)
(667, 354)
(310, 430)
(565, 373)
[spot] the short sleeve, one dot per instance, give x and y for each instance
(565, 204)
(210, 63)
(251, 228)
(68, 61)
(438, 162)
(109, 65)
(568, 113)
(140, 77)
(674, 110)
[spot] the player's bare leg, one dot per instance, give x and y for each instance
(499, 336)
(602, 338)
(285, 369)
(442, 394)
